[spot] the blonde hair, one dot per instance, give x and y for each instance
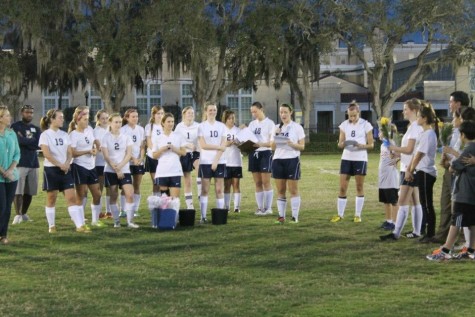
(79, 112)
(112, 116)
(98, 116)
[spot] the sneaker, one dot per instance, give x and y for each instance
(411, 235)
(203, 220)
(132, 225)
(237, 210)
(425, 239)
(294, 220)
(388, 237)
(4, 240)
(117, 224)
(18, 219)
(26, 218)
(102, 215)
(109, 215)
(123, 214)
(268, 212)
(52, 229)
(384, 224)
(357, 219)
(83, 229)
(258, 212)
(98, 224)
(463, 254)
(471, 256)
(280, 221)
(439, 256)
(336, 219)
(389, 226)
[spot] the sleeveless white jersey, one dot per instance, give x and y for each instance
(212, 134)
(153, 132)
(83, 141)
(137, 135)
(117, 148)
(169, 162)
(98, 135)
(294, 132)
(58, 143)
(264, 131)
(189, 134)
(232, 154)
(355, 132)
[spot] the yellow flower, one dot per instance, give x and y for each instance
(384, 121)
(441, 125)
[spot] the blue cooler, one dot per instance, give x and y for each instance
(167, 219)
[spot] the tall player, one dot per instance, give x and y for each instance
(233, 163)
(153, 130)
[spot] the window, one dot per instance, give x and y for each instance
(240, 103)
(51, 101)
(186, 95)
(472, 79)
(95, 102)
(149, 96)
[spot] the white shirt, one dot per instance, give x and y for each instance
(232, 154)
(189, 134)
(137, 135)
(428, 145)
(117, 148)
(153, 132)
(58, 143)
(356, 132)
(413, 133)
(295, 133)
(98, 135)
(264, 131)
(83, 141)
(388, 175)
(213, 134)
(169, 162)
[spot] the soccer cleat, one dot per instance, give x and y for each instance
(102, 215)
(98, 224)
(17, 219)
(280, 221)
(123, 214)
(237, 210)
(132, 225)
(267, 212)
(109, 215)
(411, 235)
(439, 256)
(26, 218)
(259, 212)
(389, 226)
(294, 220)
(463, 254)
(83, 229)
(384, 224)
(388, 237)
(357, 219)
(336, 219)
(117, 224)
(203, 220)
(52, 229)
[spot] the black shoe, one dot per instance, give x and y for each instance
(425, 239)
(384, 224)
(387, 237)
(412, 235)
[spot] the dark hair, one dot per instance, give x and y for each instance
(27, 107)
(166, 116)
(468, 129)
(461, 97)
(226, 115)
(257, 104)
(468, 114)
(288, 106)
(427, 111)
(125, 118)
(46, 120)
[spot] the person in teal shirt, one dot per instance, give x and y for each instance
(9, 158)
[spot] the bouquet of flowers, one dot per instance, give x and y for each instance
(385, 128)
(446, 130)
(397, 138)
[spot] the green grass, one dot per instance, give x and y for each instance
(249, 267)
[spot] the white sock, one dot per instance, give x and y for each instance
(401, 218)
(341, 205)
(115, 212)
(198, 186)
(203, 206)
(359, 202)
(122, 203)
(189, 200)
(96, 210)
(108, 204)
(220, 203)
(295, 205)
(389, 220)
(129, 209)
(417, 219)
(466, 233)
(227, 200)
(281, 206)
(80, 215)
(50, 216)
(260, 200)
(74, 213)
(269, 196)
(137, 202)
(101, 202)
(84, 203)
(237, 201)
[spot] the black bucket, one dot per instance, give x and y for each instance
(219, 216)
(187, 217)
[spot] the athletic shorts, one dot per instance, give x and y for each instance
(463, 215)
(111, 179)
(204, 171)
(27, 181)
(100, 170)
(353, 168)
(286, 168)
(150, 164)
(412, 183)
(55, 179)
(137, 170)
(260, 161)
(187, 162)
(172, 181)
(83, 176)
(388, 196)
(233, 172)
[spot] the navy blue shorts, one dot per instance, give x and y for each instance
(99, 170)
(402, 181)
(150, 164)
(388, 196)
(463, 215)
(260, 161)
(172, 181)
(204, 171)
(187, 162)
(83, 176)
(111, 179)
(353, 167)
(55, 179)
(137, 169)
(286, 168)
(233, 172)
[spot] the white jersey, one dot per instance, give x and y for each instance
(356, 132)
(388, 175)
(98, 135)
(153, 131)
(83, 141)
(117, 148)
(137, 135)
(264, 131)
(428, 145)
(169, 162)
(455, 143)
(295, 133)
(232, 154)
(58, 143)
(189, 134)
(413, 133)
(212, 134)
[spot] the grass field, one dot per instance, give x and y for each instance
(249, 267)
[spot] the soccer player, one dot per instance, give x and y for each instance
(153, 130)
(102, 126)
